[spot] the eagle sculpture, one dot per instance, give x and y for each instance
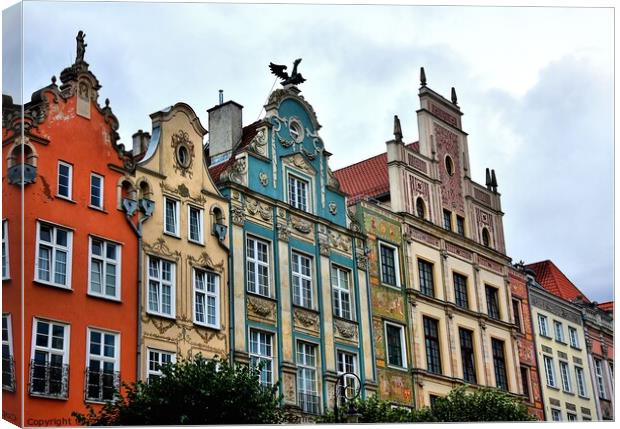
(294, 79)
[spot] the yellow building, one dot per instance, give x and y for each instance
(455, 323)
(184, 254)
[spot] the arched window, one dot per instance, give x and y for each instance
(420, 210)
(486, 239)
(22, 159)
(145, 190)
(218, 223)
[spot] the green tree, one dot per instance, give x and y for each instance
(195, 391)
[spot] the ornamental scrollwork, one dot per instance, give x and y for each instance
(183, 152)
(301, 225)
(306, 318)
(353, 222)
(259, 142)
(284, 231)
(260, 307)
(206, 261)
(345, 329)
(238, 216)
(362, 262)
(236, 172)
(254, 206)
(339, 241)
(161, 248)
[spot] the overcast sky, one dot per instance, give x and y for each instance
(535, 84)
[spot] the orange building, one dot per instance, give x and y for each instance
(79, 253)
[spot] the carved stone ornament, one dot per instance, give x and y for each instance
(298, 161)
(238, 216)
(362, 262)
(332, 182)
(260, 307)
(162, 325)
(259, 142)
(333, 207)
(339, 241)
(263, 178)
(306, 318)
(183, 153)
(256, 207)
(301, 225)
(236, 172)
(345, 329)
(323, 245)
(353, 222)
(160, 248)
(182, 191)
(284, 231)
(206, 261)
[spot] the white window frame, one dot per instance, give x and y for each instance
(299, 277)
(294, 199)
(573, 337)
(307, 380)
(200, 224)
(396, 264)
(157, 373)
(9, 343)
(101, 194)
(555, 412)
(70, 177)
(177, 223)
(403, 347)
(565, 376)
(338, 292)
(543, 326)
(549, 371)
(160, 280)
(558, 331)
(105, 261)
(101, 357)
(350, 382)
(48, 349)
(582, 387)
(257, 264)
(205, 294)
(600, 380)
(258, 356)
(53, 249)
(6, 265)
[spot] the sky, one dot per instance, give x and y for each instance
(535, 85)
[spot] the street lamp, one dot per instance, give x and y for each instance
(349, 393)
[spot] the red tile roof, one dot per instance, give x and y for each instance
(367, 178)
(607, 306)
(551, 278)
(247, 134)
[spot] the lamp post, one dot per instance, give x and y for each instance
(349, 393)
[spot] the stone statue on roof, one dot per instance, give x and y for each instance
(81, 47)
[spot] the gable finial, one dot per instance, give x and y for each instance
(493, 181)
(488, 179)
(294, 79)
(454, 100)
(81, 47)
(422, 77)
(398, 132)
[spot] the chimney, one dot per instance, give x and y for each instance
(141, 141)
(224, 130)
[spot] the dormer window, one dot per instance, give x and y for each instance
(298, 193)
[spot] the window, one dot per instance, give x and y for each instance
(389, 265)
(460, 225)
(542, 325)
(157, 359)
(206, 298)
(492, 302)
(103, 376)
(257, 264)
(559, 331)
(449, 165)
(499, 364)
(556, 415)
(582, 389)
(486, 239)
(53, 258)
(49, 369)
(96, 191)
(431, 340)
(341, 293)
(161, 281)
(306, 378)
(460, 290)
(516, 311)
(573, 337)
(171, 216)
(467, 355)
(420, 210)
(347, 363)
(571, 417)
(549, 371)
(447, 219)
(261, 353)
(302, 280)
(298, 193)
(195, 224)
(565, 376)
(598, 370)
(525, 382)
(5, 250)
(65, 178)
(104, 269)
(425, 270)
(8, 364)
(395, 339)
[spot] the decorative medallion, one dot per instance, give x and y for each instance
(284, 231)
(362, 262)
(254, 206)
(263, 178)
(238, 216)
(333, 208)
(183, 153)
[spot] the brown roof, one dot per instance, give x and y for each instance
(247, 134)
(367, 178)
(607, 306)
(552, 279)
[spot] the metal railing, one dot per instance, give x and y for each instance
(8, 373)
(49, 379)
(309, 403)
(101, 386)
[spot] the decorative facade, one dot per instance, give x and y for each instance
(459, 323)
(79, 275)
(299, 297)
(184, 244)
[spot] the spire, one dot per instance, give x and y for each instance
(398, 133)
(493, 181)
(422, 77)
(454, 100)
(488, 179)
